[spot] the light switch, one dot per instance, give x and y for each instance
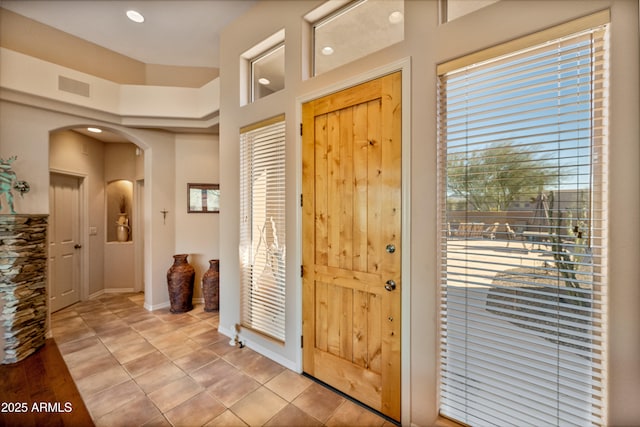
(93, 231)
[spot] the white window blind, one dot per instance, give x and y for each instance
(523, 221)
(262, 228)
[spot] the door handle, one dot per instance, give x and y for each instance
(391, 248)
(77, 246)
(390, 285)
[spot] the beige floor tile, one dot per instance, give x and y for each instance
(146, 363)
(61, 315)
(196, 359)
(226, 419)
(213, 372)
(136, 412)
(102, 380)
(288, 384)
(292, 416)
(79, 345)
(171, 339)
(92, 350)
(259, 407)
(104, 325)
(196, 411)
(174, 393)
(118, 338)
(195, 329)
(232, 387)
(92, 366)
(157, 378)
(112, 398)
(158, 329)
(82, 331)
(187, 346)
(262, 369)
(135, 316)
(222, 347)
(133, 351)
(352, 415)
(318, 402)
(159, 421)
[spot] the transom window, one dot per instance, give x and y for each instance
(354, 30)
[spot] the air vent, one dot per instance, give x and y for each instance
(73, 86)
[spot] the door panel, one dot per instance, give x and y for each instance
(64, 233)
(351, 212)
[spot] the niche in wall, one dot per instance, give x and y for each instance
(119, 208)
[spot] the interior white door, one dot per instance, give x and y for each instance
(64, 241)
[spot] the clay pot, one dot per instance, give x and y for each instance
(180, 279)
(211, 286)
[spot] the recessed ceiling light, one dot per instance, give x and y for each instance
(135, 16)
(94, 130)
(263, 81)
(327, 50)
(395, 17)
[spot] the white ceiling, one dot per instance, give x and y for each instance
(184, 32)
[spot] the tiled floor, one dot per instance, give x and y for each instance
(134, 367)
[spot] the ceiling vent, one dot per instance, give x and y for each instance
(73, 86)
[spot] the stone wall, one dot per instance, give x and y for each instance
(23, 284)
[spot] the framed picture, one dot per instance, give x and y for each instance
(203, 198)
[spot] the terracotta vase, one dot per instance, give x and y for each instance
(211, 286)
(180, 278)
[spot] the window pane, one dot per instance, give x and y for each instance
(267, 73)
(359, 29)
(523, 236)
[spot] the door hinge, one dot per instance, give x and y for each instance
(300, 129)
(302, 271)
(301, 201)
(301, 341)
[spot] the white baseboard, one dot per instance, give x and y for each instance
(96, 294)
(118, 290)
(111, 291)
(253, 345)
(152, 307)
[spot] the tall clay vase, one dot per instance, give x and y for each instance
(211, 286)
(180, 279)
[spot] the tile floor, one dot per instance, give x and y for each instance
(134, 367)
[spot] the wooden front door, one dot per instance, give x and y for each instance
(352, 202)
(64, 241)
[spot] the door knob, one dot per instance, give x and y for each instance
(390, 285)
(391, 248)
(77, 246)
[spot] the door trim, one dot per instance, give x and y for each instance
(403, 65)
(82, 237)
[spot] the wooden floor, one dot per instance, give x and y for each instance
(39, 391)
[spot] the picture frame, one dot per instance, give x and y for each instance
(203, 198)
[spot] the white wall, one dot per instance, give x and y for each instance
(196, 233)
(427, 44)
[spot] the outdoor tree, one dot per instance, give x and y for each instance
(491, 179)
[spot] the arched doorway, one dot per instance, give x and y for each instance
(111, 167)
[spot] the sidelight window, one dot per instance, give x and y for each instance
(262, 227)
(523, 233)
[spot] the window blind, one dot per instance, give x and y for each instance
(523, 233)
(262, 228)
